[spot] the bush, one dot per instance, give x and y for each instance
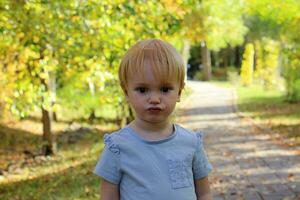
(232, 75)
(198, 76)
(219, 73)
(291, 74)
(247, 65)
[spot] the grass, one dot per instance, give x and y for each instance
(67, 175)
(269, 108)
(72, 183)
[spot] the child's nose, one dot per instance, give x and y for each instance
(154, 98)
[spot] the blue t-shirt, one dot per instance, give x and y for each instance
(160, 170)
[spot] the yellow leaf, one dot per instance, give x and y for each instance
(62, 50)
(22, 66)
(43, 75)
(20, 35)
(36, 39)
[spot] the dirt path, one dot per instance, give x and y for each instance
(247, 164)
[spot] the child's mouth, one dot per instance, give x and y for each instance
(154, 109)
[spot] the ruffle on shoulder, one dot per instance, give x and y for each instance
(200, 136)
(112, 147)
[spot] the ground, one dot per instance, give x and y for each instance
(248, 163)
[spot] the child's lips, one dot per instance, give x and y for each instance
(154, 109)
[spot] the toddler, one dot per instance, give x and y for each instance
(152, 158)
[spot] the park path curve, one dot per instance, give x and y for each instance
(247, 165)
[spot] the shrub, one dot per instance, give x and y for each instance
(247, 65)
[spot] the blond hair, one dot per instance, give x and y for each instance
(165, 61)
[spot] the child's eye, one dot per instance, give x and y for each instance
(141, 90)
(165, 89)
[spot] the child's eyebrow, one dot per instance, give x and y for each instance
(167, 84)
(141, 84)
(160, 84)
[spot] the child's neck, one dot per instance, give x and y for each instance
(152, 131)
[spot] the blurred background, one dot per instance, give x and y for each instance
(59, 90)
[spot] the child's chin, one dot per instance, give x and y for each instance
(156, 120)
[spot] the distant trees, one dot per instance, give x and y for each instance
(214, 24)
(273, 27)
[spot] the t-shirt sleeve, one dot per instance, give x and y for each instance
(108, 165)
(201, 165)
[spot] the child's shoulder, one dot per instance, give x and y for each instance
(192, 134)
(116, 136)
(114, 140)
(186, 131)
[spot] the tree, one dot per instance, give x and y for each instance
(247, 65)
(267, 56)
(73, 47)
(209, 23)
(278, 21)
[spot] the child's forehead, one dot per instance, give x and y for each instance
(153, 71)
(147, 77)
(152, 84)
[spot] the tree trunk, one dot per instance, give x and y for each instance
(206, 61)
(54, 116)
(231, 57)
(215, 59)
(92, 116)
(52, 88)
(92, 89)
(185, 55)
(225, 58)
(238, 58)
(49, 145)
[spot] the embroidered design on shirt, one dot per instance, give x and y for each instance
(179, 172)
(114, 148)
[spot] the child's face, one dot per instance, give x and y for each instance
(152, 100)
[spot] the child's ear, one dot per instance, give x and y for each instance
(179, 95)
(126, 94)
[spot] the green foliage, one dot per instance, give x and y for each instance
(198, 76)
(75, 44)
(219, 73)
(247, 65)
(220, 23)
(279, 21)
(292, 74)
(84, 98)
(268, 18)
(210, 21)
(267, 66)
